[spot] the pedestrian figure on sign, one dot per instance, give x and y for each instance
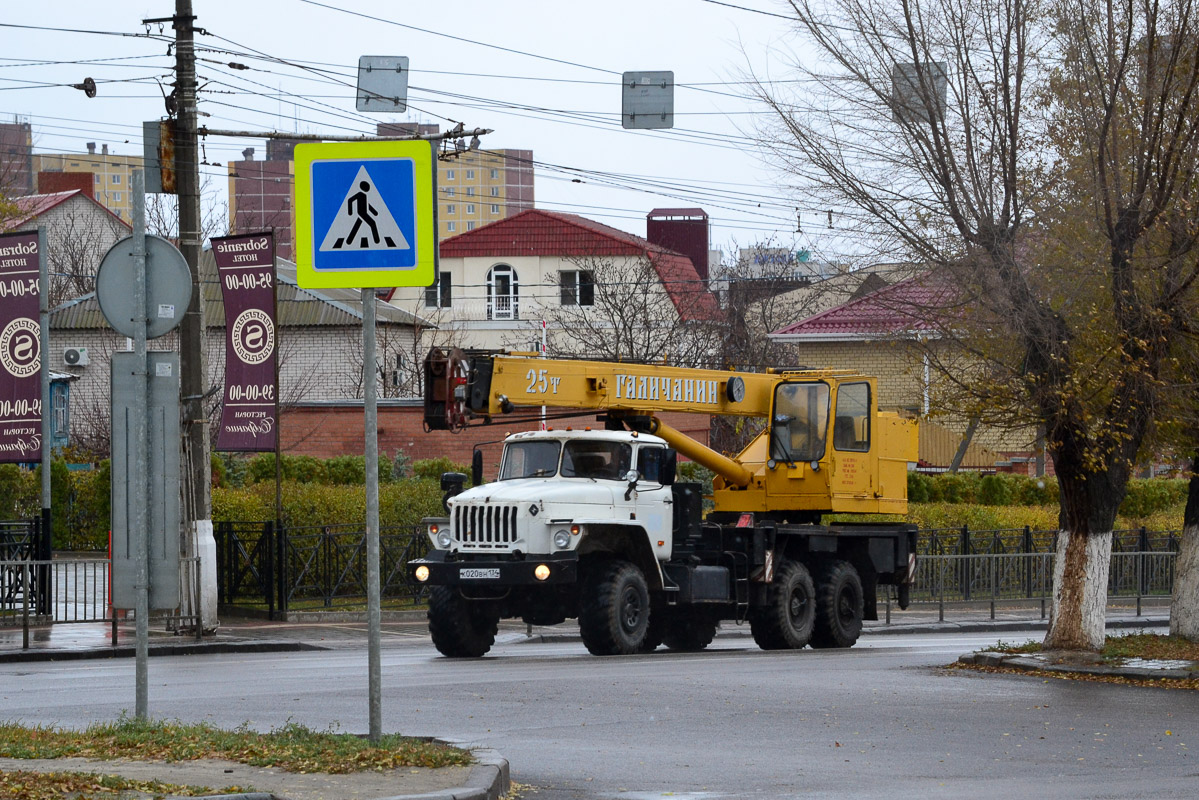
(358, 205)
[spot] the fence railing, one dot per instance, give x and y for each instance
(277, 570)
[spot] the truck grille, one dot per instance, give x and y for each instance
(484, 526)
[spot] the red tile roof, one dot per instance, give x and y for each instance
(32, 206)
(545, 233)
(906, 307)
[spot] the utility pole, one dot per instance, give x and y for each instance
(194, 371)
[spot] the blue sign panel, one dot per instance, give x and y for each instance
(363, 214)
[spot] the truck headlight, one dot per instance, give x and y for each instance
(541, 572)
(422, 573)
(444, 540)
(562, 540)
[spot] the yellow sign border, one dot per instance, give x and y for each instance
(425, 176)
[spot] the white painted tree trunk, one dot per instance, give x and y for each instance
(1184, 608)
(1080, 575)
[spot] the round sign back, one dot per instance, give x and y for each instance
(168, 287)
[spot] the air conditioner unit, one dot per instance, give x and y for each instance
(75, 356)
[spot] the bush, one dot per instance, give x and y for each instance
(351, 470)
(403, 502)
(995, 490)
(304, 469)
(1149, 496)
(919, 490)
(20, 493)
(434, 467)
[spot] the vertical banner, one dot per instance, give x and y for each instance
(20, 349)
(246, 269)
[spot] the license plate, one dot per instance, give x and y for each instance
(490, 573)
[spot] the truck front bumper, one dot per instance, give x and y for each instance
(439, 570)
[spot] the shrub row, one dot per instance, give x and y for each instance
(1145, 497)
(81, 500)
(235, 471)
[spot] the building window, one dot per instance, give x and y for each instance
(439, 295)
(116, 178)
(449, 226)
(449, 192)
(495, 209)
(495, 191)
(503, 293)
(470, 226)
(451, 209)
(449, 174)
(116, 197)
(495, 173)
(470, 174)
(470, 208)
(96, 179)
(470, 191)
(577, 287)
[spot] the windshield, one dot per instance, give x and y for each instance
(800, 422)
(602, 460)
(530, 460)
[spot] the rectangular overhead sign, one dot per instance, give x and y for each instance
(366, 214)
(246, 269)
(20, 349)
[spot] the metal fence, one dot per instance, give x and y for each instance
(276, 570)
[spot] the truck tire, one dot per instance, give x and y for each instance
(615, 611)
(460, 628)
(786, 621)
(838, 606)
(689, 632)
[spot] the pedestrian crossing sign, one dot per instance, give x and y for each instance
(366, 214)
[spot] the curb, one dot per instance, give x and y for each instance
(172, 649)
(998, 626)
(1026, 663)
(489, 779)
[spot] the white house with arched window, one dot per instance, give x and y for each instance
(497, 283)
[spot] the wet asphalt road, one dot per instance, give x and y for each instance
(881, 719)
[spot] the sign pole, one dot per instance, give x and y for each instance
(371, 425)
(138, 496)
(47, 416)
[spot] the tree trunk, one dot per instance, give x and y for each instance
(1080, 576)
(1184, 608)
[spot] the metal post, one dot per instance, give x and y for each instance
(991, 564)
(888, 595)
(25, 605)
(371, 424)
(199, 609)
(44, 547)
(138, 494)
(941, 590)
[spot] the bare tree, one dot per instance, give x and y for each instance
(621, 308)
(78, 236)
(973, 137)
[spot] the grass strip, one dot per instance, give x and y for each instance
(24, 785)
(292, 747)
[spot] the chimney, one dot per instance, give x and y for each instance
(683, 230)
(91, 148)
(104, 149)
(248, 154)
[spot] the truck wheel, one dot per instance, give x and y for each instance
(690, 633)
(460, 628)
(838, 606)
(786, 621)
(615, 611)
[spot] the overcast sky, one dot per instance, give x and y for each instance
(544, 75)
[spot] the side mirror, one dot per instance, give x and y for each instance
(451, 484)
(670, 468)
(476, 468)
(631, 477)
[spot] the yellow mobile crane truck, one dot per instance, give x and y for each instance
(590, 523)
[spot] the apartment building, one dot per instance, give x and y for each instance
(112, 174)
